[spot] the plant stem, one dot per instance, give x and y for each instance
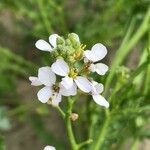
(61, 111)
(126, 48)
(85, 143)
(70, 133)
(67, 119)
(103, 132)
(44, 16)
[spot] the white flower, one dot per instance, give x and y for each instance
(45, 46)
(51, 91)
(49, 148)
(97, 53)
(98, 88)
(71, 78)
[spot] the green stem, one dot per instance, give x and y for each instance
(89, 141)
(126, 48)
(103, 132)
(67, 119)
(61, 111)
(70, 133)
(44, 16)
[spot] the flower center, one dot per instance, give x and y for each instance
(86, 67)
(73, 73)
(78, 54)
(83, 47)
(55, 88)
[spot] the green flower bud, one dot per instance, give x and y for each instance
(74, 40)
(60, 47)
(68, 42)
(123, 74)
(60, 41)
(73, 37)
(71, 59)
(55, 54)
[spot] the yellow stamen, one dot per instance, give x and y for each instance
(73, 73)
(83, 46)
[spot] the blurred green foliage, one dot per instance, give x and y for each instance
(122, 26)
(4, 121)
(2, 144)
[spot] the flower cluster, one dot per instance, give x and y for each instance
(71, 70)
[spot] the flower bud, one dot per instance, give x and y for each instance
(68, 42)
(73, 37)
(74, 116)
(60, 41)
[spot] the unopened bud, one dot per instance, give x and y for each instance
(74, 116)
(68, 42)
(73, 36)
(60, 41)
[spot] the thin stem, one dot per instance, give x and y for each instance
(125, 86)
(61, 111)
(44, 16)
(67, 119)
(89, 141)
(22, 108)
(103, 132)
(126, 48)
(70, 133)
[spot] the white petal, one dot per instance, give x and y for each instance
(101, 68)
(35, 81)
(100, 100)
(88, 56)
(86, 60)
(83, 84)
(46, 76)
(68, 92)
(60, 67)
(92, 68)
(53, 39)
(49, 148)
(44, 94)
(99, 51)
(43, 45)
(67, 82)
(97, 88)
(56, 99)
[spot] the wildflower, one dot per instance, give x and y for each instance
(98, 88)
(49, 148)
(52, 92)
(71, 77)
(68, 54)
(97, 53)
(45, 46)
